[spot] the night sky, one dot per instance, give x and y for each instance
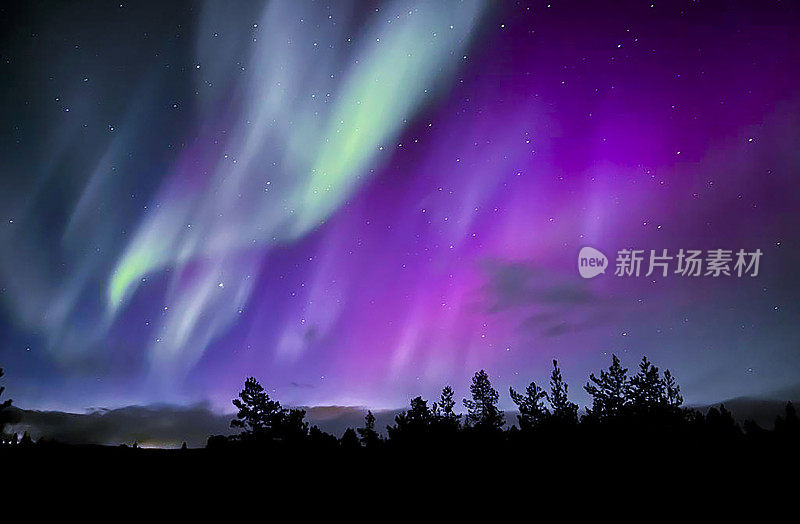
(362, 202)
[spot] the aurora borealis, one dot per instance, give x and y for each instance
(359, 202)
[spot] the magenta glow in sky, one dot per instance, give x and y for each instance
(362, 202)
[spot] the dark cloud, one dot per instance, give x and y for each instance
(560, 329)
(574, 321)
(566, 294)
(516, 284)
(553, 305)
(536, 320)
(301, 385)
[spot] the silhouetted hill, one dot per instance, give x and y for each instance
(156, 425)
(167, 425)
(336, 419)
(762, 411)
(791, 393)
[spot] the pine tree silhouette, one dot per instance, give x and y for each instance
(26, 441)
(720, 424)
(290, 425)
(563, 411)
(5, 412)
(369, 437)
(609, 392)
(672, 391)
(532, 410)
(321, 440)
(646, 410)
(647, 388)
(788, 425)
(446, 418)
(482, 411)
(414, 424)
(350, 440)
(6, 404)
(258, 414)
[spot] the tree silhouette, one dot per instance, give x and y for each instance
(291, 425)
(5, 412)
(350, 440)
(258, 414)
(322, 440)
(754, 431)
(647, 388)
(216, 442)
(609, 392)
(419, 415)
(369, 437)
(720, 424)
(672, 391)
(645, 409)
(413, 424)
(7, 403)
(482, 412)
(564, 411)
(788, 425)
(443, 410)
(532, 410)
(26, 441)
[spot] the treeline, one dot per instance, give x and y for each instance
(644, 407)
(6, 417)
